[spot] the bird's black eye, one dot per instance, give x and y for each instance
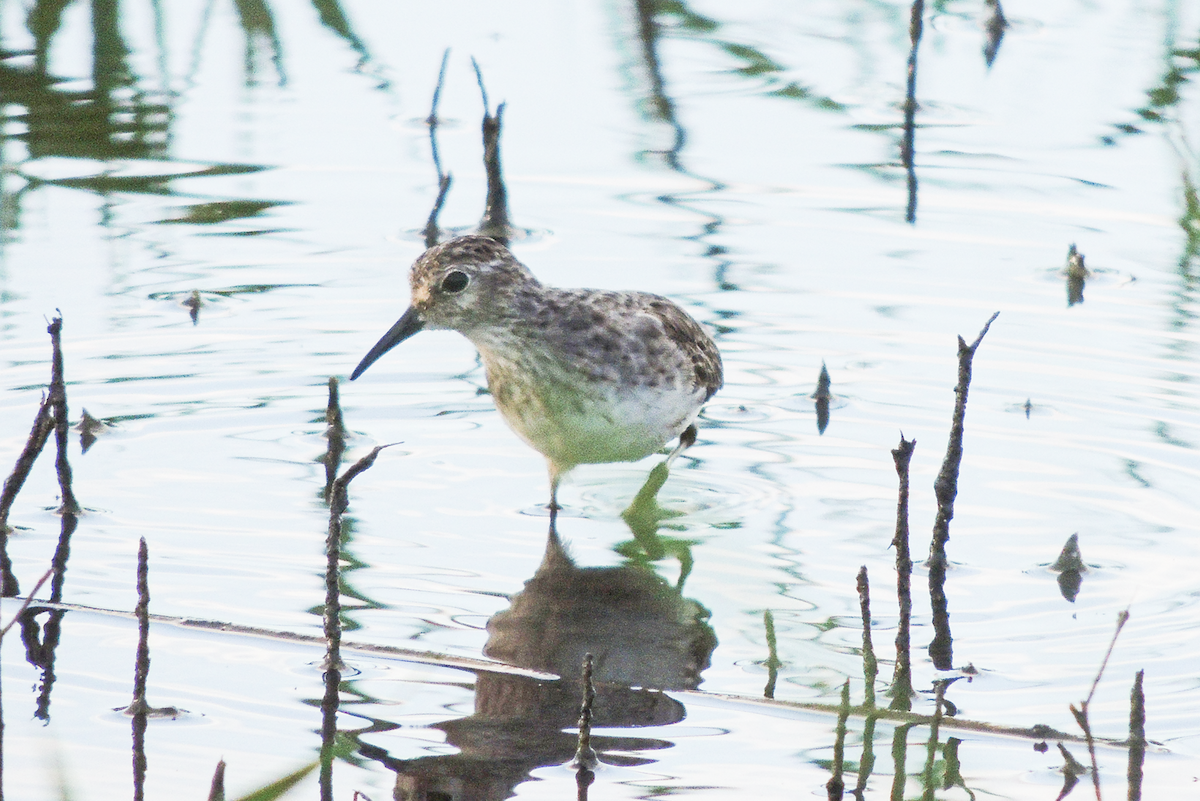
(455, 281)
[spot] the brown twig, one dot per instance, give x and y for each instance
(870, 664)
(1081, 712)
(585, 755)
(901, 690)
(58, 399)
(339, 500)
(43, 424)
(1137, 737)
(946, 490)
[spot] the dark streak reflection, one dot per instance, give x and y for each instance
(644, 636)
(994, 26)
(907, 147)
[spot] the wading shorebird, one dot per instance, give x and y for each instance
(584, 376)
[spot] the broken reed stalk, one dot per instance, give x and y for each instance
(335, 436)
(901, 690)
(915, 26)
(58, 399)
(216, 791)
(339, 501)
(43, 424)
(870, 664)
(138, 708)
(141, 670)
(946, 490)
(866, 763)
(586, 759)
(1081, 712)
(1137, 737)
(585, 755)
(836, 786)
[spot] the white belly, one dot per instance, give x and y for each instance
(586, 424)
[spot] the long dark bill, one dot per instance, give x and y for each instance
(404, 328)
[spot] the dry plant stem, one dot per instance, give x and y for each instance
(870, 664)
(946, 490)
(142, 666)
(339, 500)
(836, 786)
(25, 605)
(58, 399)
(138, 709)
(335, 437)
(1137, 737)
(43, 424)
(585, 755)
(216, 791)
(1081, 712)
(901, 690)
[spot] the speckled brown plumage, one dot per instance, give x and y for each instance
(582, 375)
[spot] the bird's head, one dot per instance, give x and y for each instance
(462, 284)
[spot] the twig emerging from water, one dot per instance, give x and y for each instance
(1137, 737)
(946, 490)
(138, 708)
(870, 664)
(901, 690)
(585, 755)
(339, 500)
(142, 664)
(216, 791)
(335, 436)
(1081, 712)
(58, 399)
(586, 760)
(43, 424)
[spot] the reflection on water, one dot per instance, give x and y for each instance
(756, 166)
(644, 636)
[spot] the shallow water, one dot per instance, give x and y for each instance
(756, 179)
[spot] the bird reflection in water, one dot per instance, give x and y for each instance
(645, 637)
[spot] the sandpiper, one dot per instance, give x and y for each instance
(582, 375)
